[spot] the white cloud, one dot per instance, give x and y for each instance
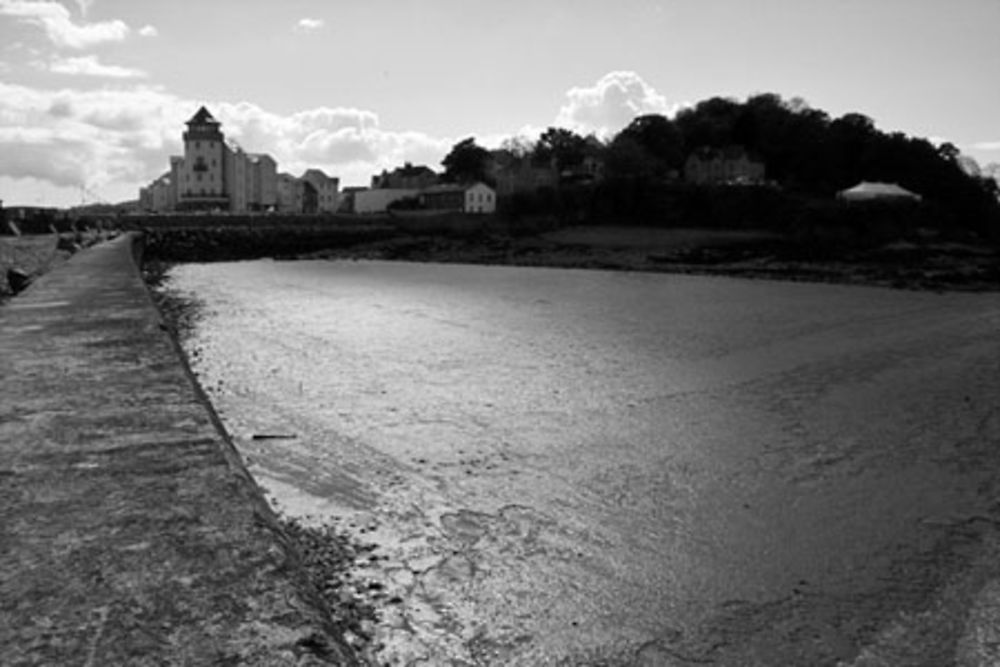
(611, 104)
(90, 66)
(148, 31)
(987, 145)
(55, 19)
(342, 141)
(116, 140)
(307, 24)
(86, 138)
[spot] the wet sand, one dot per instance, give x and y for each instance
(464, 564)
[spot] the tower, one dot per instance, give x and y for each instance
(203, 177)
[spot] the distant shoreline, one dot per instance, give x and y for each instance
(930, 267)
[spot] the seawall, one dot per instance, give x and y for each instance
(130, 532)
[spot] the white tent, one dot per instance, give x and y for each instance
(866, 191)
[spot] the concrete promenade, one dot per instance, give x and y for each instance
(130, 532)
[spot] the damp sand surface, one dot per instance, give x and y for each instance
(585, 467)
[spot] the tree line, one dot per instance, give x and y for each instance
(808, 156)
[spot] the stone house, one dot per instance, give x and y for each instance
(723, 166)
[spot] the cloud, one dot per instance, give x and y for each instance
(308, 24)
(987, 145)
(343, 141)
(30, 154)
(113, 141)
(611, 104)
(55, 19)
(90, 66)
(86, 138)
(148, 31)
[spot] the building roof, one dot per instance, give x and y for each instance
(444, 188)
(452, 187)
(876, 190)
(413, 170)
(202, 117)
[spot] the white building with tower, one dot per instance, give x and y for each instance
(216, 174)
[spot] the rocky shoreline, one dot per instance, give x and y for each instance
(328, 554)
(934, 267)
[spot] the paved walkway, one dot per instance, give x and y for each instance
(130, 533)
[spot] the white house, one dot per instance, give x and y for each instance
(480, 198)
(469, 198)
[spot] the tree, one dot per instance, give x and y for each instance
(627, 158)
(563, 146)
(949, 151)
(709, 123)
(467, 162)
(518, 147)
(659, 137)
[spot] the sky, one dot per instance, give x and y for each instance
(94, 93)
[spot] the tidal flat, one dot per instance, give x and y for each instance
(616, 467)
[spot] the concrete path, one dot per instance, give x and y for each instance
(130, 533)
